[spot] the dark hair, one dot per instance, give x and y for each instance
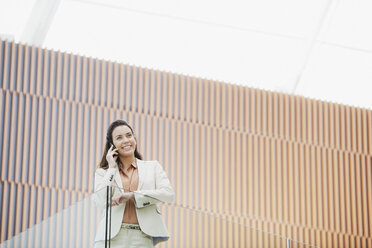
(104, 164)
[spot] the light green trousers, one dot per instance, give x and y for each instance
(128, 238)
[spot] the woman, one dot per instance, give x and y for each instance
(136, 219)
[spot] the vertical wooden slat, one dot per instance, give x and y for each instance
(353, 126)
(304, 182)
(274, 182)
(268, 181)
(226, 145)
(348, 127)
(39, 72)
(265, 113)
(207, 147)
(359, 200)
(319, 188)
(325, 125)
(33, 142)
(258, 112)
(246, 119)
(224, 117)
(3, 64)
(291, 180)
(183, 96)
(178, 186)
(353, 197)
(235, 107)
(369, 132)
(12, 69)
(252, 111)
(348, 210)
(185, 169)
(229, 107)
(296, 181)
(279, 178)
(337, 192)
(59, 83)
(320, 126)
(171, 96)
(238, 184)
(261, 177)
(196, 147)
(134, 89)
(244, 175)
(177, 93)
(73, 172)
(164, 95)
(326, 180)
(194, 101)
(232, 173)
(11, 143)
(65, 71)
(97, 86)
(218, 105)
(157, 91)
(255, 173)
(292, 118)
(50, 79)
(39, 165)
(116, 86)
(109, 85)
(19, 126)
(220, 167)
(364, 131)
(369, 194)
(313, 198)
(19, 70)
(210, 107)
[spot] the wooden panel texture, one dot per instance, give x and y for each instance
(240, 159)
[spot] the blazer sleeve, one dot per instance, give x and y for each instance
(102, 179)
(163, 191)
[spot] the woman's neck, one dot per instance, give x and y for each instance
(127, 161)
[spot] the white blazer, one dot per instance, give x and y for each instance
(153, 187)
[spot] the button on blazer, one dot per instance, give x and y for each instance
(153, 187)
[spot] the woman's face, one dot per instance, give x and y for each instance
(124, 140)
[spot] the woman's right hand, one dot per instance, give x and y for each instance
(123, 197)
(111, 156)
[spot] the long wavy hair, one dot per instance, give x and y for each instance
(104, 164)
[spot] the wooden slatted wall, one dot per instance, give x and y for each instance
(236, 156)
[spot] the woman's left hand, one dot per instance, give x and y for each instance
(123, 197)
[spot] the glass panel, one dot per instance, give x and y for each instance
(76, 226)
(203, 229)
(297, 244)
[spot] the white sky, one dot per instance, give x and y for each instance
(319, 49)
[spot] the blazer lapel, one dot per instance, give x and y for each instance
(141, 173)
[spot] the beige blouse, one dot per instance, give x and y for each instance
(129, 179)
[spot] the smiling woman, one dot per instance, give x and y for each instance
(136, 221)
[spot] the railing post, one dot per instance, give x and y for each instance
(107, 208)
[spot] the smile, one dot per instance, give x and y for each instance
(126, 147)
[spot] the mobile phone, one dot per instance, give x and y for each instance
(117, 157)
